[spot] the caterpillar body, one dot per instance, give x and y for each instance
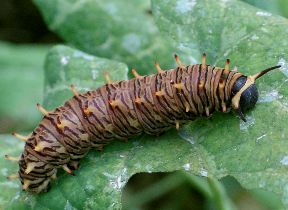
(150, 104)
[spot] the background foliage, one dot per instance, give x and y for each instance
(216, 148)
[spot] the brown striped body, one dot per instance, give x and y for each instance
(150, 104)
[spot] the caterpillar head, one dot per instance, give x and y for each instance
(245, 93)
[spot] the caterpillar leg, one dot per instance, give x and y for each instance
(68, 170)
(177, 124)
(73, 164)
(44, 186)
(207, 111)
(26, 184)
(75, 92)
(99, 148)
(159, 70)
(136, 75)
(107, 77)
(159, 134)
(54, 176)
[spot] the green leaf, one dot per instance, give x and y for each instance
(121, 30)
(278, 7)
(21, 69)
(255, 153)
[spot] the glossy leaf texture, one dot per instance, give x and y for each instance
(278, 7)
(120, 30)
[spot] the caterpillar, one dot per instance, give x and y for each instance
(150, 104)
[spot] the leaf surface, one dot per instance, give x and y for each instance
(120, 30)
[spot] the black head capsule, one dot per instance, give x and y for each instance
(245, 93)
(249, 97)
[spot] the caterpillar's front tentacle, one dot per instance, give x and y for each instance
(263, 72)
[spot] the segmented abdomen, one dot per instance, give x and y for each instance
(150, 104)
